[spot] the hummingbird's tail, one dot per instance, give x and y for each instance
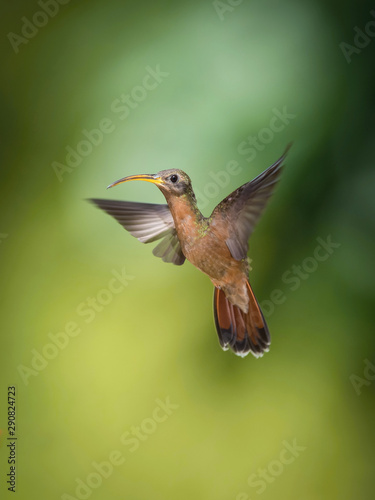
(241, 332)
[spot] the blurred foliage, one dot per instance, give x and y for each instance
(156, 338)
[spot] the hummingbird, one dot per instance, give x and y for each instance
(217, 245)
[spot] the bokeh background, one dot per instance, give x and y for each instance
(227, 66)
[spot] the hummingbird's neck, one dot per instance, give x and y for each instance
(185, 212)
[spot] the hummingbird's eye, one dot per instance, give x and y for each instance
(173, 178)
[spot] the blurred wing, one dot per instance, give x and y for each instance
(147, 222)
(245, 206)
(169, 249)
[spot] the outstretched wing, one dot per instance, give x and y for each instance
(147, 222)
(244, 207)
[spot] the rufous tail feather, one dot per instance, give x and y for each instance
(238, 331)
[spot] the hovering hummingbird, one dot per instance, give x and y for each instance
(217, 245)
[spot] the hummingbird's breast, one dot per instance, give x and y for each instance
(210, 254)
(202, 242)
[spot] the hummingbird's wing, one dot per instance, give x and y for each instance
(148, 222)
(242, 209)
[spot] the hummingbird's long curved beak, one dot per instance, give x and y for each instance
(155, 179)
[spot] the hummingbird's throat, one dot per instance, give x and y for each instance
(183, 208)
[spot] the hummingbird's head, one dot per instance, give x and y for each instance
(171, 182)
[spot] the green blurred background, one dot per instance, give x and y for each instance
(229, 65)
